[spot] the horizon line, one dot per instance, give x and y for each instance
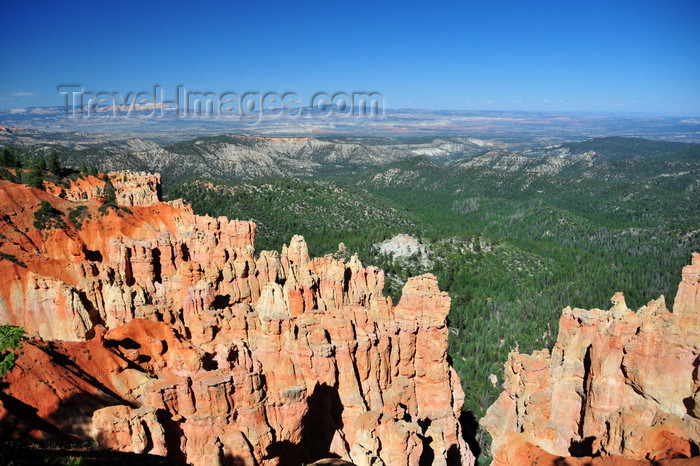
(648, 113)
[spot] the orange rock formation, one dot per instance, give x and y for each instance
(132, 189)
(619, 384)
(156, 330)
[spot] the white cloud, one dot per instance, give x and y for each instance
(518, 101)
(546, 101)
(15, 95)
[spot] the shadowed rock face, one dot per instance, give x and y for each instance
(618, 383)
(168, 336)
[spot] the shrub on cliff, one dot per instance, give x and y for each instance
(6, 174)
(10, 337)
(77, 216)
(47, 217)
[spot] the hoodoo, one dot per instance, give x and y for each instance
(619, 385)
(156, 330)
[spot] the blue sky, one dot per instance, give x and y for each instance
(613, 56)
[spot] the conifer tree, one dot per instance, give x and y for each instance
(110, 194)
(55, 164)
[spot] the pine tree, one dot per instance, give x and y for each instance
(28, 162)
(18, 158)
(110, 194)
(35, 179)
(55, 164)
(8, 157)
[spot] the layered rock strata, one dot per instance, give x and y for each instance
(618, 383)
(159, 331)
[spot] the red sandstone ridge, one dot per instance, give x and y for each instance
(619, 384)
(132, 189)
(157, 330)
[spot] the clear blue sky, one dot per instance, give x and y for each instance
(641, 56)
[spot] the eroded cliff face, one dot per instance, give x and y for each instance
(132, 189)
(157, 330)
(618, 383)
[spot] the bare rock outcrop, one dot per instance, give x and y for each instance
(618, 383)
(190, 346)
(131, 189)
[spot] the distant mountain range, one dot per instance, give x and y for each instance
(512, 127)
(232, 157)
(236, 157)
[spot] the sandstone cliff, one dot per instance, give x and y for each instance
(132, 189)
(157, 330)
(618, 383)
